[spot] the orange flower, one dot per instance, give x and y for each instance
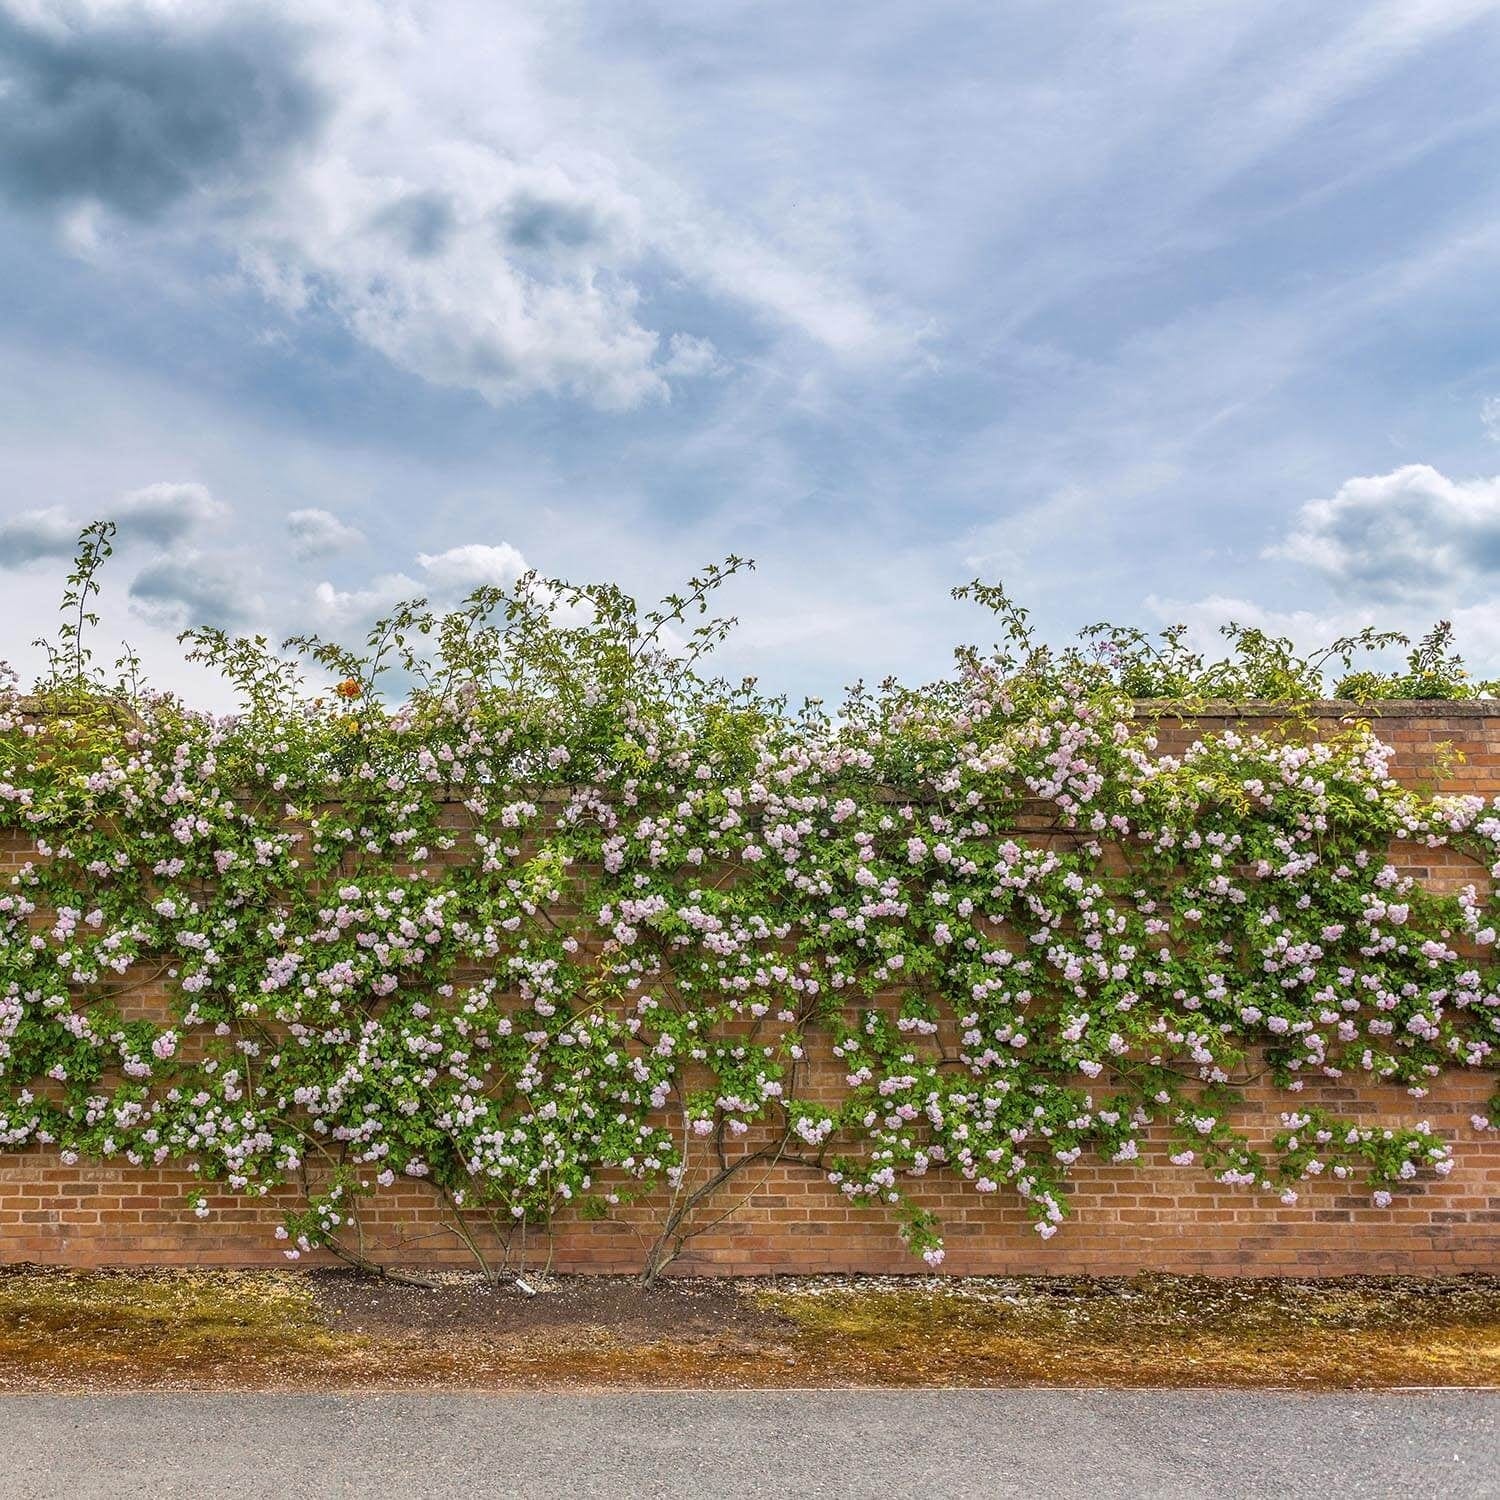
(348, 688)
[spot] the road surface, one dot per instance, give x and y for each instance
(799, 1445)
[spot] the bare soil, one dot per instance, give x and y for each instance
(463, 1306)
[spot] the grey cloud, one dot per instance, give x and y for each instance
(159, 513)
(315, 533)
(36, 534)
(532, 222)
(192, 590)
(165, 513)
(421, 222)
(135, 112)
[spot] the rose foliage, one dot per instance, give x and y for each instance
(531, 911)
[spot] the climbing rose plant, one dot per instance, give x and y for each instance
(525, 908)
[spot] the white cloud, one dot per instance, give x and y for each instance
(447, 577)
(1476, 627)
(1489, 414)
(1307, 627)
(689, 358)
(316, 533)
(452, 236)
(37, 534)
(335, 606)
(469, 307)
(428, 176)
(1412, 533)
(473, 566)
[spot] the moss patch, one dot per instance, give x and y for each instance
(145, 1326)
(1161, 1330)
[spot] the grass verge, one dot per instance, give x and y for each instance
(291, 1330)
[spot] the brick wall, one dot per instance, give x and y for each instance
(1148, 1215)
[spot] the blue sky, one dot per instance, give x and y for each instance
(1153, 310)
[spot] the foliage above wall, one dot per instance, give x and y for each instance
(556, 919)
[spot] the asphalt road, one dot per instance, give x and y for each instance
(796, 1444)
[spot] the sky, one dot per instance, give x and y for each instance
(1153, 311)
